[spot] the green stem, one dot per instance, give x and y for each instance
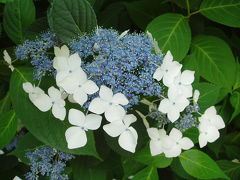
(188, 8)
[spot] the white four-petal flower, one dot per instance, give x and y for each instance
(174, 143)
(44, 102)
(209, 125)
(168, 70)
(210, 115)
(8, 59)
(196, 95)
(182, 84)
(37, 97)
(82, 87)
(171, 145)
(207, 133)
(109, 104)
(58, 104)
(156, 136)
(173, 105)
(76, 135)
(127, 134)
(17, 178)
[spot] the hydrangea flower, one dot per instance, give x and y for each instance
(44, 102)
(173, 105)
(71, 77)
(8, 59)
(109, 104)
(171, 145)
(127, 135)
(49, 162)
(168, 70)
(182, 84)
(209, 125)
(125, 63)
(37, 97)
(37, 51)
(76, 135)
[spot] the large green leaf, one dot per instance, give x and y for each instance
(226, 12)
(237, 83)
(131, 167)
(5, 1)
(210, 94)
(173, 33)
(232, 169)
(144, 156)
(18, 15)
(177, 168)
(115, 16)
(149, 173)
(144, 11)
(81, 168)
(235, 101)
(42, 125)
(215, 60)
(69, 19)
(8, 127)
(200, 165)
(5, 103)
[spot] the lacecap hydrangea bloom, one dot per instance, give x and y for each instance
(49, 162)
(108, 73)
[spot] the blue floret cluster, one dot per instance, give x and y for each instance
(124, 64)
(188, 120)
(48, 162)
(37, 51)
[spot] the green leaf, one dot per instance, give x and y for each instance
(192, 133)
(144, 11)
(215, 60)
(18, 15)
(193, 4)
(237, 82)
(43, 125)
(39, 26)
(5, 103)
(225, 12)
(210, 94)
(81, 168)
(200, 165)
(8, 127)
(69, 19)
(115, 16)
(173, 33)
(232, 169)
(235, 102)
(149, 173)
(144, 156)
(131, 167)
(5, 1)
(24, 146)
(178, 169)
(232, 151)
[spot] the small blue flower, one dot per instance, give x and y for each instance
(126, 65)
(48, 162)
(37, 52)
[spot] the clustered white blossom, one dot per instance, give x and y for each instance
(179, 91)
(73, 83)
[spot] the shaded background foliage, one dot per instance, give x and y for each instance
(203, 34)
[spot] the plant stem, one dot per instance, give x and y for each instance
(188, 8)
